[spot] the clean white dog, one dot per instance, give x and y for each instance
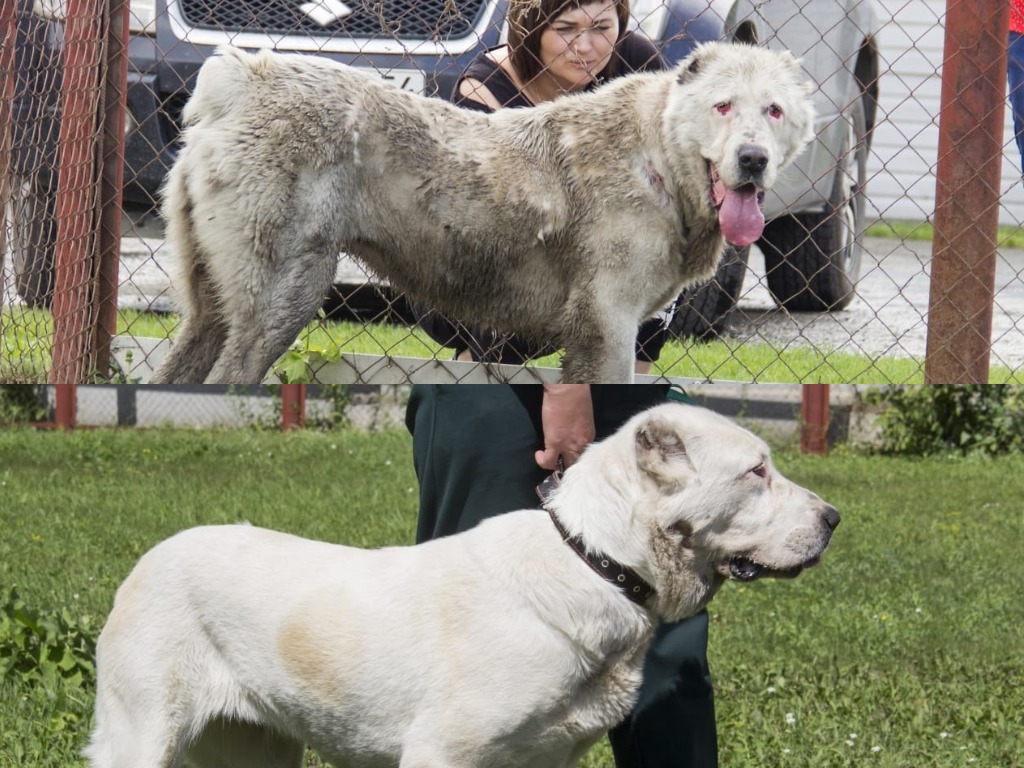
(513, 645)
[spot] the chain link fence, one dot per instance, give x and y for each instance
(836, 290)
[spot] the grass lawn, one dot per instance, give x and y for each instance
(904, 649)
(25, 352)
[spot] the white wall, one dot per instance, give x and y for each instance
(902, 166)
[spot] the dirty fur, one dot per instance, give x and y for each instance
(568, 223)
(498, 647)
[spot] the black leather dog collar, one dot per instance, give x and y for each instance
(623, 577)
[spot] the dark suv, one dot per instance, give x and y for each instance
(420, 45)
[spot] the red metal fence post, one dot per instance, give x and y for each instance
(77, 194)
(967, 192)
(66, 406)
(293, 406)
(814, 416)
(108, 247)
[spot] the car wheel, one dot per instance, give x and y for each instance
(813, 260)
(703, 311)
(33, 236)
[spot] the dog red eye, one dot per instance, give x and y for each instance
(724, 108)
(775, 111)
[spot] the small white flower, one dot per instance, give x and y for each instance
(853, 735)
(790, 718)
(848, 742)
(786, 751)
(387, 463)
(943, 735)
(771, 689)
(876, 748)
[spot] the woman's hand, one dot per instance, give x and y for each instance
(567, 418)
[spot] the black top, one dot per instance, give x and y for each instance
(633, 53)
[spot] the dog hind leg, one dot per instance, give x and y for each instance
(265, 321)
(199, 340)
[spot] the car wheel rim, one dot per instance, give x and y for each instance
(851, 200)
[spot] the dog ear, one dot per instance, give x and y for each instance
(698, 59)
(660, 450)
(691, 66)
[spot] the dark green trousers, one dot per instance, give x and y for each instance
(473, 449)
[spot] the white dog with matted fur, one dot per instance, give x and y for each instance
(568, 224)
(516, 644)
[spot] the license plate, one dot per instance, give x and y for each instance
(406, 79)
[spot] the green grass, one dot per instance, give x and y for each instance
(728, 359)
(25, 352)
(1006, 237)
(909, 635)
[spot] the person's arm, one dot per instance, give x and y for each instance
(567, 418)
(472, 94)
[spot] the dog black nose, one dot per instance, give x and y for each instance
(831, 516)
(753, 159)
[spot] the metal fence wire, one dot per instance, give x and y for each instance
(860, 274)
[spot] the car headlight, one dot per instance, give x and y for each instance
(142, 17)
(649, 17)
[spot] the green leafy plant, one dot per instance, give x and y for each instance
(987, 419)
(21, 403)
(45, 647)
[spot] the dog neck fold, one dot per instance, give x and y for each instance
(626, 579)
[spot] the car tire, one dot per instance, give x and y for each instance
(813, 260)
(702, 312)
(33, 237)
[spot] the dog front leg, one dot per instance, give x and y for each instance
(600, 353)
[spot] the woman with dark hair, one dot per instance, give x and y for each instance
(554, 47)
(481, 451)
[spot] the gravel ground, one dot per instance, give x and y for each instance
(889, 315)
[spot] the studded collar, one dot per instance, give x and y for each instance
(626, 579)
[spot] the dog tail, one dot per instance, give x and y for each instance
(223, 85)
(201, 335)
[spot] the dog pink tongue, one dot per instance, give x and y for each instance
(740, 216)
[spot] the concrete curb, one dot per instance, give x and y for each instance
(772, 410)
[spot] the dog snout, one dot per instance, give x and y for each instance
(752, 159)
(831, 517)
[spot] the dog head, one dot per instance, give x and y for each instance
(747, 112)
(689, 499)
(719, 508)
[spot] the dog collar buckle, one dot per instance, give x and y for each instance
(625, 578)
